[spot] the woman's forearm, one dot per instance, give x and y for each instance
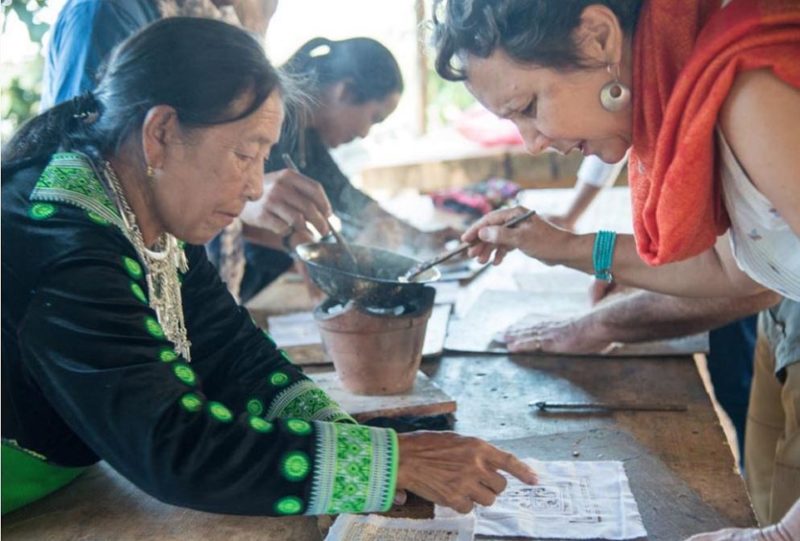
(711, 274)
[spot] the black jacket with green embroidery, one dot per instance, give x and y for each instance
(88, 374)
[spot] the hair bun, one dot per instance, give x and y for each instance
(85, 107)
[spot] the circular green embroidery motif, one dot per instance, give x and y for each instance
(220, 412)
(185, 374)
(153, 327)
(289, 505)
(138, 292)
(167, 355)
(279, 379)
(298, 426)
(132, 266)
(96, 218)
(41, 211)
(192, 402)
(255, 406)
(296, 466)
(260, 425)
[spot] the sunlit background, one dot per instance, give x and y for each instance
(427, 102)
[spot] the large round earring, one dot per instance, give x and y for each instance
(615, 96)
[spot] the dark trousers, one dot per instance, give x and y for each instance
(730, 364)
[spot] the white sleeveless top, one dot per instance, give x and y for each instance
(765, 247)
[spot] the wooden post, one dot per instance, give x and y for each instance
(422, 69)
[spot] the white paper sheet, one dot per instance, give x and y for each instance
(573, 500)
(378, 528)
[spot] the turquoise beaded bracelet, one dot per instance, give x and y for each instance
(603, 254)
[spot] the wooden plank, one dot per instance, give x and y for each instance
(426, 398)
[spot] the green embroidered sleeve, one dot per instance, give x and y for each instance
(355, 469)
(304, 400)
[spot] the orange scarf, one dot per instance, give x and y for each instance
(687, 54)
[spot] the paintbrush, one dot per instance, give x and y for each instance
(338, 236)
(418, 269)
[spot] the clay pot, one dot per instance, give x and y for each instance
(375, 354)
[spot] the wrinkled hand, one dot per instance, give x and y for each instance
(455, 471)
(535, 236)
(289, 201)
(565, 336)
(788, 529)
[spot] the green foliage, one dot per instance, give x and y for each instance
(26, 10)
(445, 99)
(22, 84)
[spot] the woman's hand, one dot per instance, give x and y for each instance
(788, 529)
(455, 471)
(772, 533)
(289, 201)
(576, 336)
(535, 236)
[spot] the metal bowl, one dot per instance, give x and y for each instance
(373, 282)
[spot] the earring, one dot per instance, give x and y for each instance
(614, 96)
(151, 173)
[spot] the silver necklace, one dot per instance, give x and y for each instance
(161, 270)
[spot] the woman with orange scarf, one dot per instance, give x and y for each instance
(706, 95)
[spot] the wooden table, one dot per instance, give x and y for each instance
(680, 467)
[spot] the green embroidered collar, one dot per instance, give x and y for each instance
(70, 178)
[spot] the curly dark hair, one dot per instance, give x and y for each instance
(529, 31)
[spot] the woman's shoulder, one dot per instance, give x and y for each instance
(759, 121)
(54, 209)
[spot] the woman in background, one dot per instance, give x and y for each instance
(352, 84)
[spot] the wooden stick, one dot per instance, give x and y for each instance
(422, 267)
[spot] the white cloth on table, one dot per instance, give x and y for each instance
(572, 500)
